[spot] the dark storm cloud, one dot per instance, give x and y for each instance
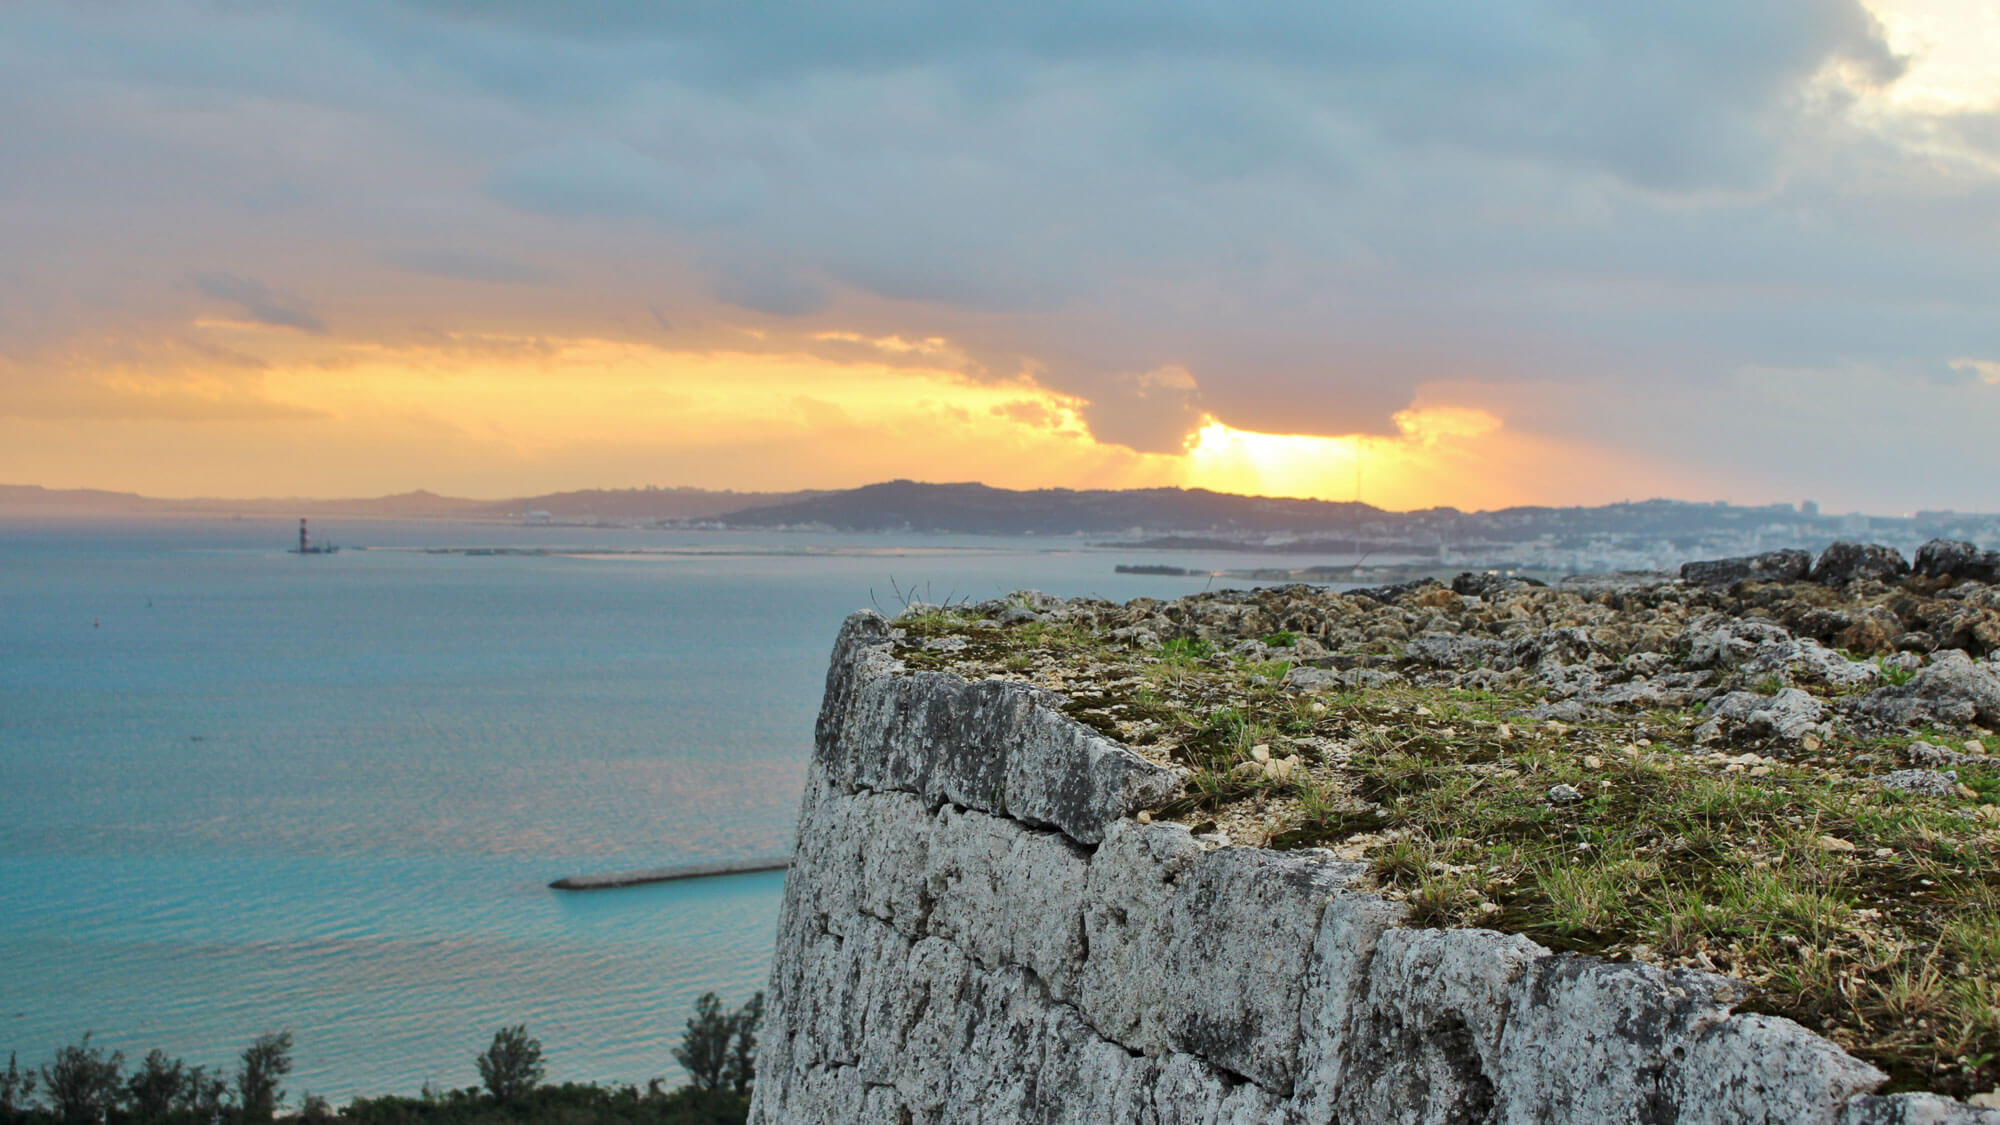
(1312, 208)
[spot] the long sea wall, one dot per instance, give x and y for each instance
(976, 928)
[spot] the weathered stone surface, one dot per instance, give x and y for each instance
(1590, 1041)
(1955, 558)
(1806, 661)
(1717, 640)
(1238, 932)
(1133, 878)
(1930, 782)
(1744, 714)
(1845, 562)
(1309, 679)
(938, 962)
(1771, 566)
(1950, 689)
(1085, 1080)
(1484, 585)
(1457, 650)
(1916, 1109)
(1753, 1070)
(1188, 1091)
(980, 870)
(993, 746)
(1410, 1030)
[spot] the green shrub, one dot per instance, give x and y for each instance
(512, 1065)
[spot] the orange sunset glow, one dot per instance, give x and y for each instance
(504, 251)
(489, 414)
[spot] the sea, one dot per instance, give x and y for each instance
(245, 791)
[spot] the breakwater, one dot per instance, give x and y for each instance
(610, 879)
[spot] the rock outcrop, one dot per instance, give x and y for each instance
(980, 926)
(1957, 560)
(1771, 566)
(1848, 562)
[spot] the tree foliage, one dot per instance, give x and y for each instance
(265, 1063)
(719, 1049)
(704, 1049)
(82, 1083)
(202, 1093)
(569, 1104)
(155, 1087)
(512, 1065)
(742, 1068)
(17, 1087)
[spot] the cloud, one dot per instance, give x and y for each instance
(469, 265)
(603, 177)
(1151, 411)
(1318, 212)
(259, 301)
(764, 288)
(1985, 370)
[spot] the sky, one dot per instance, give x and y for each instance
(1473, 253)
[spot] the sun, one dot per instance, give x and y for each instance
(1385, 470)
(1227, 459)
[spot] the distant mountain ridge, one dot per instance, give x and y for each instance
(1168, 515)
(609, 504)
(903, 505)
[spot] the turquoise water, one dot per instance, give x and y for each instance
(242, 790)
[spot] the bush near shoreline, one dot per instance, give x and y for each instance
(84, 1083)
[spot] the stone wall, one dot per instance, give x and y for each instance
(975, 929)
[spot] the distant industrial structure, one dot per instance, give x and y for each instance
(308, 547)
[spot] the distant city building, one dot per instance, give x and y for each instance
(1809, 508)
(537, 515)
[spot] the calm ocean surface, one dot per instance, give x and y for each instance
(242, 790)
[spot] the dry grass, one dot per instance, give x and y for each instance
(1871, 916)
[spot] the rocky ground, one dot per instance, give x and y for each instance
(1776, 767)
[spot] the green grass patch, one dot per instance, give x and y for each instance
(1870, 916)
